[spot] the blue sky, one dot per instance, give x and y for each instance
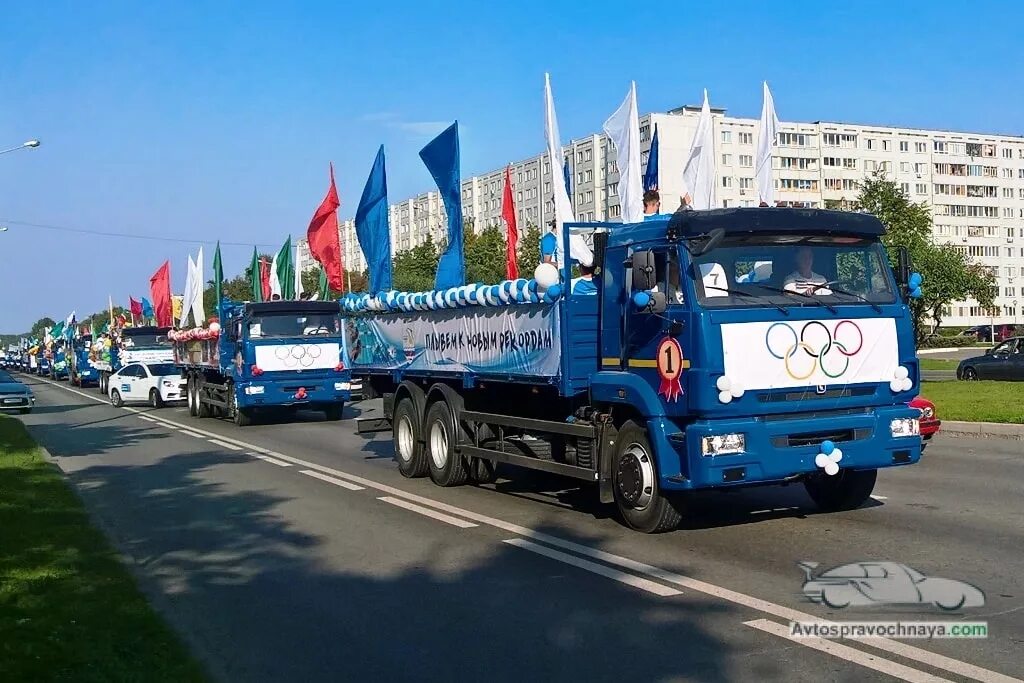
(207, 120)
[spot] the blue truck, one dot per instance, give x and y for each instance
(723, 349)
(59, 366)
(266, 357)
(144, 344)
(81, 371)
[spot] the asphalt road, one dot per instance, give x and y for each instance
(297, 552)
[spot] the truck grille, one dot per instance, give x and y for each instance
(815, 438)
(805, 394)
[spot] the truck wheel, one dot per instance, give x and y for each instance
(333, 412)
(190, 395)
(635, 481)
(408, 441)
(847, 490)
(115, 399)
(447, 468)
(202, 407)
(155, 399)
(240, 416)
(482, 471)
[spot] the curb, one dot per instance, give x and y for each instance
(952, 349)
(982, 430)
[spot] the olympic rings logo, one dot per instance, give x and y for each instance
(829, 350)
(298, 355)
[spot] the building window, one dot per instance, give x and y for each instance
(746, 138)
(920, 147)
(904, 146)
(726, 181)
(904, 167)
(746, 183)
(905, 187)
(726, 160)
(886, 145)
(850, 164)
(921, 188)
(726, 136)
(746, 161)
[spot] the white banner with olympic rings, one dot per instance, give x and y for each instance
(802, 353)
(292, 357)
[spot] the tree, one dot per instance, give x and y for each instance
(39, 328)
(414, 269)
(485, 256)
(949, 274)
(529, 251)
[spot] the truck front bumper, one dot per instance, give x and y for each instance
(319, 391)
(782, 448)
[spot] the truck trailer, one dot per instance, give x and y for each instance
(265, 357)
(723, 349)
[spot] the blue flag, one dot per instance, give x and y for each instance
(651, 174)
(372, 227)
(568, 179)
(147, 308)
(441, 157)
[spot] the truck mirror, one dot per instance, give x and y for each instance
(903, 270)
(643, 270)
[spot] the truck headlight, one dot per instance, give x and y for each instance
(723, 444)
(906, 426)
(254, 389)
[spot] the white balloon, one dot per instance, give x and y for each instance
(546, 275)
(896, 386)
(737, 389)
(724, 396)
(831, 469)
(481, 295)
(502, 294)
(723, 383)
(837, 455)
(821, 460)
(901, 372)
(908, 384)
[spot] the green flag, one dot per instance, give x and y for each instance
(283, 278)
(218, 275)
(57, 330)
(324, 290)
(254, 277)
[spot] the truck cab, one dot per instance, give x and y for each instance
(81, 369)
(759, 346)
(144, 344)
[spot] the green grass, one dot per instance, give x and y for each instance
(69, 610)
(938, 363)
(977, 401)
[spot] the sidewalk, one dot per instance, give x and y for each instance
(982, 430)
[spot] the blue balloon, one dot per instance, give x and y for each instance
(554, 291)
(532, 285)
(641, 299)
(916, 293)
(471, 296)
(827, 447)
(507, 286)
(915, 280)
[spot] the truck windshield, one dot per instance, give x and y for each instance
(793, 270)
(144, 341)
(294, 325)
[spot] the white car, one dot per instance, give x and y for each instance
(152, 383)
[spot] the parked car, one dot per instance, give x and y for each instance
(929, 421)
(152, 383)
(14, 395)
(1004, 361)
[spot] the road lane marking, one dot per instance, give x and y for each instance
(225, 444)
(850, 654)
(904, 650)
(880, 497)
(188, 432)
(448, 519)
(595, 568)
(332, 480)
(147, 419)
(272, 461)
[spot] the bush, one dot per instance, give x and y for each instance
(939, 342)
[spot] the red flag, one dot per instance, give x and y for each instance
(135, 306)
(265, 278)
(324, 242)
(160, 291)
(508, 212)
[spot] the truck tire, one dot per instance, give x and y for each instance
(483, 471)
(155, 399)
(240, 416)
(447, 467)
(408, 440)
(635, 482)
(202, 407)
(333, 412)
(103, 383)
(190, 392)
(847, 490)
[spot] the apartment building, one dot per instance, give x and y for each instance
(973, 182)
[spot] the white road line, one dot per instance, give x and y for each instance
(880, 497)
(850, 654)
(225, 444)
(917, 654)
(448, 519)
(332, 480)
(603, 570)
(147, 419)
(188, 432)
(272, 461)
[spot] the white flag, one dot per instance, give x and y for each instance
(275, 281)
(623, 129)
(699, 171)
(198, 314)
(578, 249)
(186, 300)
(298, 274)
(767, 131)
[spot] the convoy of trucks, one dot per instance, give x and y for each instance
(722, 349)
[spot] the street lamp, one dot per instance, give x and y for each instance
(28, 144)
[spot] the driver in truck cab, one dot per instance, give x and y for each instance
(804, 280)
